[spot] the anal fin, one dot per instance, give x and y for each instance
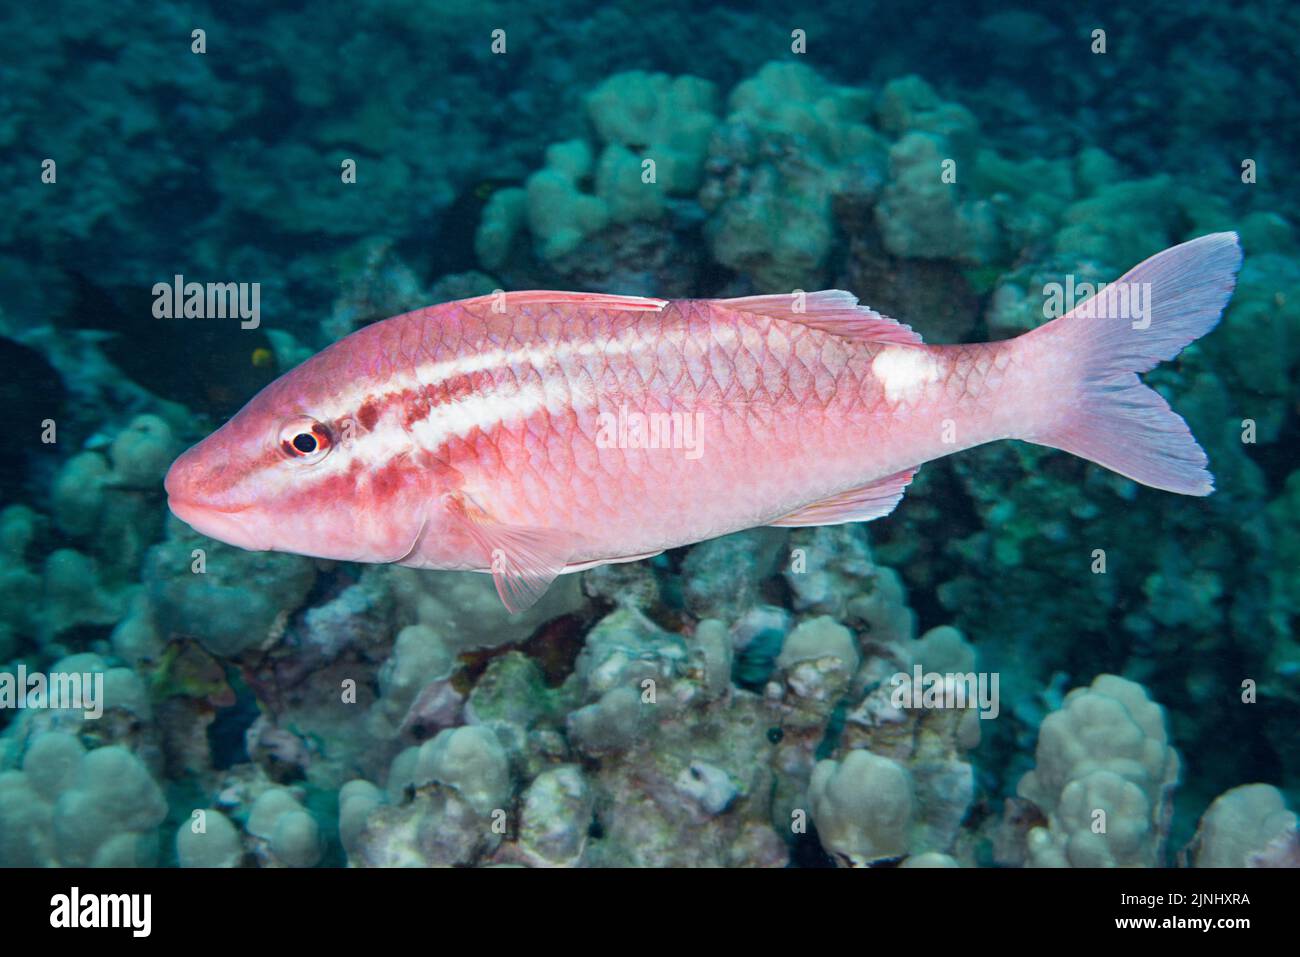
(861, 504)
(583, 566)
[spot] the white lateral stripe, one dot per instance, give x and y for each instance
(437, 373)
(508, 403)
(507, 399)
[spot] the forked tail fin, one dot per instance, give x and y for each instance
(1147, 316)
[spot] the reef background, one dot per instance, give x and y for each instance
(475, 738)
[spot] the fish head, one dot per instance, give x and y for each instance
(292, 471)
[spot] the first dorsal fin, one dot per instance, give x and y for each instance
(597, 300)
(831, 310)
(861, 504)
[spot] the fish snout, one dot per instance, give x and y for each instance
(184, 480)
(198, 480)
(201, 493)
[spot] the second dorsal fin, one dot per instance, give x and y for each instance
(831, 310)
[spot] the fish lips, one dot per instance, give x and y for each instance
(225, 525)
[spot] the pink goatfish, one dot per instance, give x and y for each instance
(531, 434)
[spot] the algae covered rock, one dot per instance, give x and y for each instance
(226, 598)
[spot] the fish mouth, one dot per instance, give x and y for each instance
(221, 524)
(192, 506)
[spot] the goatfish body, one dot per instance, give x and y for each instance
(531, 434)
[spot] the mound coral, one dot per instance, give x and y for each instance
(1104, 779)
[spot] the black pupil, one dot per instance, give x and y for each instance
(305, 443)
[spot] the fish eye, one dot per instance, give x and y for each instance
(305, 440)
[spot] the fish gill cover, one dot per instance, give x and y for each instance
(1029, 661)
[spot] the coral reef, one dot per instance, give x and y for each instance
(791, 142)
(1248, 826)
(1104, 779)
(76, 808)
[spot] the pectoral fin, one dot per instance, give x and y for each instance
(523, 560)
(860, 504)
